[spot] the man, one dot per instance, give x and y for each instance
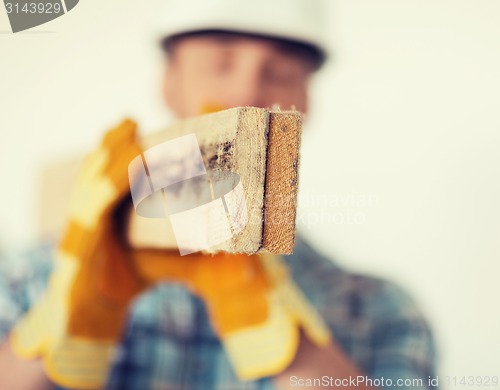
(222, 53)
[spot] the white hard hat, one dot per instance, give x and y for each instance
(302, 21)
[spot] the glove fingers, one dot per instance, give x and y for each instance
(121, 135)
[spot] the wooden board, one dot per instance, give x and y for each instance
(260, 146)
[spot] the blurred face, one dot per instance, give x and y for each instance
(212, 71)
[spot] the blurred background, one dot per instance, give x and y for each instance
(400, 163)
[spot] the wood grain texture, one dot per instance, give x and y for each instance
(232, 140)
(284, 137)
(262, 148)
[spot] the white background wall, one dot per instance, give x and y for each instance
(400, 163)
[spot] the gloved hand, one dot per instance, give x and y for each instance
(254, 306)
(76, 325)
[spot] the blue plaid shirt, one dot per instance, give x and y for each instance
(168, 342)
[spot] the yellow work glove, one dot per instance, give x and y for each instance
(254, 306)
(268, 348)
(77, 323)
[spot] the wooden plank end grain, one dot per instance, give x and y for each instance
(285, 130)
